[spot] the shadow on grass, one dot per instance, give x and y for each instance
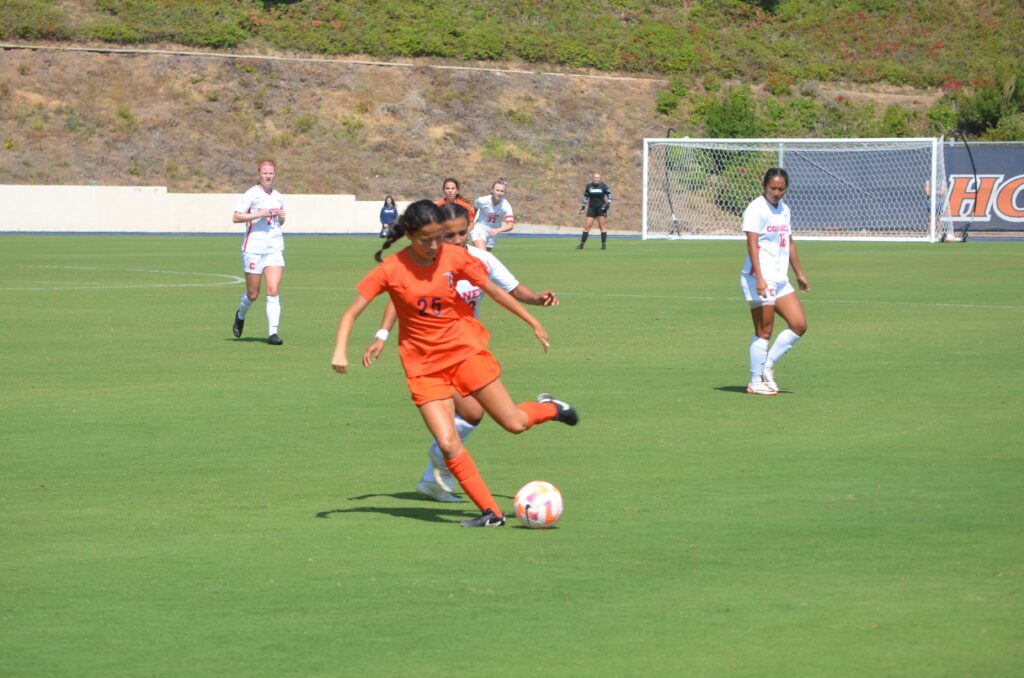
(261, 340)
(430, 515)
(740, 389)
(429, 510)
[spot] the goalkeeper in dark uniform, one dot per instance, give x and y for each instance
(597, 198)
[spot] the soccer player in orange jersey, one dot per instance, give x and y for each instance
(436, 482)
(443, 347)
(450, 187)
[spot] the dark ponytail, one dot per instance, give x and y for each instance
(416, 216)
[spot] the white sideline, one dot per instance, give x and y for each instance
(238, 280)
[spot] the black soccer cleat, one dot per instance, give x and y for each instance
(275, 340)
(485, 519)
(580, 246)
(566, 412)
(236, 327)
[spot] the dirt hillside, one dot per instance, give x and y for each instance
(198, 124)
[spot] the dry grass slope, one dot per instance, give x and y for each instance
(198, 124)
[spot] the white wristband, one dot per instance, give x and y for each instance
(382, 335)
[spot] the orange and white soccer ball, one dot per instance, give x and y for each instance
(538, 505)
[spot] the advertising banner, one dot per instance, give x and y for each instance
(990, 195)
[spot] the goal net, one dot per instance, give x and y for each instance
(840, 189)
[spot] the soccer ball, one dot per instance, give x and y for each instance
(538, 505)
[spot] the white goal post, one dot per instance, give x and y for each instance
(840, 189)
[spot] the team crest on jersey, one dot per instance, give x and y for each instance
(450, 277)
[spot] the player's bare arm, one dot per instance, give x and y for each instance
(387, 322)
(339, 362)
(525, 295)
(508, 226)
(794, 262)
(240, 217)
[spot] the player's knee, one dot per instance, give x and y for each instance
(449, 445)
(799, 328)
(472, 418)
(252, 295)
(517, 425)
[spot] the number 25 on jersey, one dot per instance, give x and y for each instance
(433, 304)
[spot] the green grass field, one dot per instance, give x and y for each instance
(174, 502)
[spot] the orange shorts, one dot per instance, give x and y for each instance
(470, 375)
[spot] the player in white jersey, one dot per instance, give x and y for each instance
(437, 482)
(765, 280)
(261, 209)
(493, 216)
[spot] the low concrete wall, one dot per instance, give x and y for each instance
(151, 209)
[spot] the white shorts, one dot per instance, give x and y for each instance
(776, 289)
(254, 263)
(479, 232)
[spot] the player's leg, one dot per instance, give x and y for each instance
(252, 292)
(792, 311)
(437, 481)
(604, 231)
(764, 320)
(273, 276)
(439, 416)
(517, 418)
(762, 313)
(587, 223)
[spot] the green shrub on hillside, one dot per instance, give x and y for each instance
(981, 111)
(1010, 128)
(34, 20)
(896, 41)
(898, 121)
(666, 102)
(732, 114)
(111, 29)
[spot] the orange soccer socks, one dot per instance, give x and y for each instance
(464, 470)
(538, 413)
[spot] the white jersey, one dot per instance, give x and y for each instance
(263, 235)
(498, 273)
(772, 224)
(488, 216)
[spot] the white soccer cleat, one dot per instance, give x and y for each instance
(434, 491)
(768, 377)
(761, 388)
(445, 480)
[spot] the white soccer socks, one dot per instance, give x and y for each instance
(785, 341)
(758, 356)
(243, 305)
(273, 314)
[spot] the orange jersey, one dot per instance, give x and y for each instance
(460, 201)
(435, 330)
